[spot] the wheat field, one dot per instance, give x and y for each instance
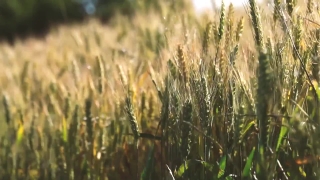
(169, 94)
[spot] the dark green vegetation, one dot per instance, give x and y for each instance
(181, 97)
(20, 19)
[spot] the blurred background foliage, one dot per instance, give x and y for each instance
(22, 18)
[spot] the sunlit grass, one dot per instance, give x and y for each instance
(205, 96)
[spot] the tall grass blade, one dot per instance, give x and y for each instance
(247, 167)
